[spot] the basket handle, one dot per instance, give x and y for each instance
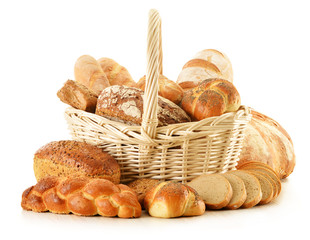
(154, 68)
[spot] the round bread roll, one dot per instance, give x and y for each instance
(212, 97)
(72, 158)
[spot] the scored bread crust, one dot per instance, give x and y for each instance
(204, 185)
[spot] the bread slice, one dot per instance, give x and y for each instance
(257, 164)
(267, 191)
(214, 189)
(252, 186)
(239, 191)
(273, 175)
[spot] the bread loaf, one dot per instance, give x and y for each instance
(205, 64)
(239, 191)
(267, 141)
(73, 158)
(142, 186)
(212, 97)
(172, 199)
(125, 104)
(81, 196)
(88, 72)
(252, 186)
(167, 88)
(116, 74)
(78, 96)
(214, 189)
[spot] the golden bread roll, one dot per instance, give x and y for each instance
(212, 97)
(78, 96)
(205, 64)
(172, 199)
(88, 72)
(73, 158)
(81, 196)
(116, 74)
(167, 89)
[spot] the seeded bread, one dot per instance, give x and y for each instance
(239, 191)
(142, 186)
(252, 186)
(214, 189)
(73, 158)
(125, 104)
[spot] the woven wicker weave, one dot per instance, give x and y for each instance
(175, 152)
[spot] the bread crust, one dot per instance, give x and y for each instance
(125, 104)
(81, 196)
(73, 158)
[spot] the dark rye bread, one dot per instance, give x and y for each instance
(125, 104)
(73, 158)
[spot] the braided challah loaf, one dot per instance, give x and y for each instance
(212, 97)
(172, 199)
(81, 196)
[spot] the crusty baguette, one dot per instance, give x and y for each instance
(81, 196)
(172, 199)
(116, 74)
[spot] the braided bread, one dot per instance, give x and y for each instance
(81, 196)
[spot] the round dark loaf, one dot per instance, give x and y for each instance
(73, 158)
(125, 104)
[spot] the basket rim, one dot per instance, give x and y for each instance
(242, 111)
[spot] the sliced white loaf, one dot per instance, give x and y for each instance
(252, 186)
(239, 191)
(214, 189)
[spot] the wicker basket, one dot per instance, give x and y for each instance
(176, 152)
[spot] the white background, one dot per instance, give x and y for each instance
(266, 41)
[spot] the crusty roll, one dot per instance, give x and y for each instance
(212, 97)
(81, 196)
(167, 88)
(88, 72)
(205, 64)
(125, 104)
(172, 199)
(78, 96)
(116, 74)
(73, 158)
(141, 186)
